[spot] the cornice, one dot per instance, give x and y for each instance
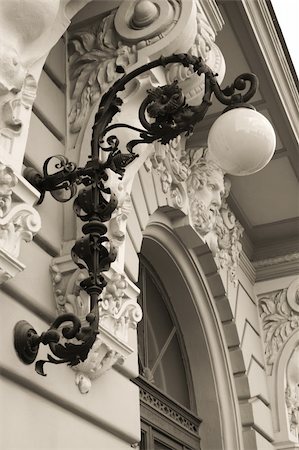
(262, 24)
(213, 14)
(247, 267)
(279, 266)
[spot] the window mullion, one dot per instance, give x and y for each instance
(163, 350)
(145, 323)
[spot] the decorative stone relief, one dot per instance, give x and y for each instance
(229, 232)
(25, 40)
(167, 161)
(97, 58)
(280, 325)
(292, 393)
(118, 311)
(145, 22)
(117, 224)
(208, 189)
(134, 31)
(204, 46)
(18, 221)
(205, 187)
(199, 187)
(17, 89)
(279, 312)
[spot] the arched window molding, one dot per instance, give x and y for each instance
(161, 243)
(284, 394)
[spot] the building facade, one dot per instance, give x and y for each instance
(198, 343)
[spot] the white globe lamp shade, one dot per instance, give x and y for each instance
(241, 141)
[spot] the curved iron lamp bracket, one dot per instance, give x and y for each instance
(163, 114)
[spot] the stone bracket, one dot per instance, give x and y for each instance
(118, 311)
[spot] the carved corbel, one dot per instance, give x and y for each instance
(123, 39)
(18, 221)
(118, 312)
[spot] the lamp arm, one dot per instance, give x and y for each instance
(164, 114)
(227, 96)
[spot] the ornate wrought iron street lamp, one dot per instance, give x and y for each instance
(163, 115)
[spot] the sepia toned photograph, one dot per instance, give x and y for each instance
(149, 225)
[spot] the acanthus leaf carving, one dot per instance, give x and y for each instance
(279, 321)
(117, 312)
(229, 232)
(95, 62)
(167, 161)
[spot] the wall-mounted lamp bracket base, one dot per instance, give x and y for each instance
(26, 342)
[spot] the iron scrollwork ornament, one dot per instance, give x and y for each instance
(163, 114)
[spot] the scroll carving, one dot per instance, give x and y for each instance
(18, 221)
(118, 312)
(204, 46)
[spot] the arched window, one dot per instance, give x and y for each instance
(164, 381)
